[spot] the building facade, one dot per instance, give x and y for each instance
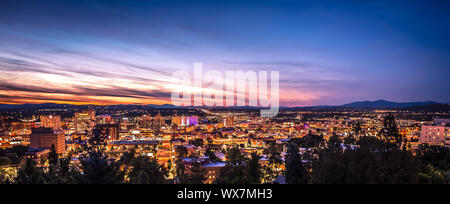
(84, 121)
(436, 134)
(51, 121)
(46, 137)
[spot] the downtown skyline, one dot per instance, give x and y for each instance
(110, 52)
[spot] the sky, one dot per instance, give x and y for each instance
(124, 52)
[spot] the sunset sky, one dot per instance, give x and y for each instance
(124, 52)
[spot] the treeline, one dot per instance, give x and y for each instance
(365, 160)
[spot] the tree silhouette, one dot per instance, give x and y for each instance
(7, 175)
(60, 171)
(254, 173)
(181, 151)
(295, 172)
(212, 157)
(234, 170)
(5, 161)
(97, 168)
(390, 131)
(53, 156)
(147, 171)
(29, 173)
(274, 154)
(195, 174)
(180, 171)
(329, 166)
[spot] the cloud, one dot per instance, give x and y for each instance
(113, 91)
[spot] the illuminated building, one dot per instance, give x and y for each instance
(228, 121)
(145, 122)
(51, 121)
(183, 121)
(126, 125)
(84, 121)
(46, 137)
(110, 130)
(436, 134)
(21, 128)
(158, 122)
(212, 171)
(38, 154)
(103, 119)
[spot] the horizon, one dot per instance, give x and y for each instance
(328, 54)
(168, 104)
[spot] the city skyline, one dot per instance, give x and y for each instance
(111, 52)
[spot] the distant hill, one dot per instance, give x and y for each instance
(379, 104)
(385, 104)
(34, 106)
(430, 108)
(6, 106)
(162, 106)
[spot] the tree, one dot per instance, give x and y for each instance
(212, 156)
(53, 156)
(29, 173)
(329, 166)
(195, 174)
(146, 170)
(349, 140)
(59, 170)
(295, 171)
(20, 150)
(254, 172)
(197, 142)
(180, 171)
(7, 175)
(312, 141)
(378, 162)
(431, 175)
(436, 156)
(274, 154)
(234, 170)
(435, 161)
(97, 168)
(5, 161)
(390, 131)
(181, 151)
(128, 157)
(357, 128)
(13, 157)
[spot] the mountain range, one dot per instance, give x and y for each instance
(385, 104)
(358, 104)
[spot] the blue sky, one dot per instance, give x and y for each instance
(327, 52)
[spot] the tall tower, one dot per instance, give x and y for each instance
(51, 121)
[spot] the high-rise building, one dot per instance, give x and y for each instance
(158, 122)
(228, 121)
(192, 121)
(46, 137)
(177, 120)
(436, 134)
(103, 119)
(182, 121)
(84, 121)
(111, 131)
(126, 124)
(51, 121)
(145, 122)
